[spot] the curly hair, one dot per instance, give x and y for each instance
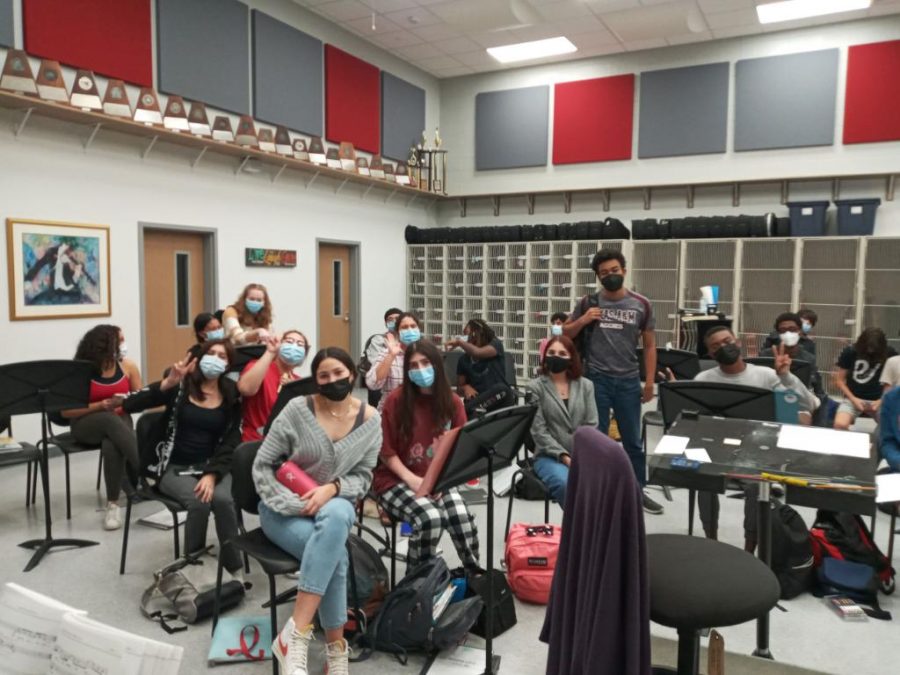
(100, 346)
(263, 318)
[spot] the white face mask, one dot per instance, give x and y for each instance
(123, 350)
(790, 338)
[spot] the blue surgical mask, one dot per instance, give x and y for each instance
(212, 366)
(556, 330)
(217, 334)
(390, 325)
(291, 354)
(807, 326)
(464, 338)
(254, 306)
(410, 335)
(423, 377)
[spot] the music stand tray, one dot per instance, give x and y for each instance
(483, 445)
(43, 387)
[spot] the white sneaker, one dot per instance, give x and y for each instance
(291, 649)
(337, 658)
(112, 520)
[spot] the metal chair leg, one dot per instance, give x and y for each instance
(393, 554)
(217, 598)
(99, 470)
(273, 617)
(667, 492)
(34, 477)
(174, 530)
(125, 536)
(68, 489)
(692, 498)
(28, 486)
(874, 520)
(688, 652)
(547, 509)
(509, 503)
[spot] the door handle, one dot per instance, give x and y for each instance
(347, 318)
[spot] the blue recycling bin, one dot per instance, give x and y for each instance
(808, 218)
(856, 217)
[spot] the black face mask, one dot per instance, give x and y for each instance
(337, 390)
(612, 282)
(557, 364)
(727, 354)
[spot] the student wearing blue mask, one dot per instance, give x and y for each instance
(414, 418)
(556, 330)
(249, 320)
(375, 345)
(262, 379)
(203, 426)
(386, 373)
(206, 327)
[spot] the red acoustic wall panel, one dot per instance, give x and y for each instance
(873, 93)
(352, 100)
(110, 37)
(593, 120)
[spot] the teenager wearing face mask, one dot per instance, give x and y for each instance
(375, 345)
(203, 422)
(481, 370)
(262, 379)
(249, 320)
(858, 376)
(788, 332)
(565, 401)
(103, 422)
(556, 329)
(386, 373)
(206, 327)
(415, 416)
(609, 326)
(335, 439)
(725, 348)
(808, 321)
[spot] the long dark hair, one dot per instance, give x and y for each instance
(100, 346)
(263, 318)
(333, 353)
(200, 322)
(194, 380)
(442, 397)
(575, 369)
(872, 346)
(482, 333)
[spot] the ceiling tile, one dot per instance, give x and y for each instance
(553, 10)
(602, 39)
(399, 38)
(599, 50)
(741, 17)
(440, 61)
(605, 6)
(452, 72)
(457, 45)
(419, 51)
(582, 24)
(736, 31)
(311, 3)
(496, 38)
(363, 26)
(413, 18)
(344, 10)
(650, 3)
(436, 32)
(476, 59)
(531, 33)
(637, 45)
(689, 38)
(712, 6)
(385, 6)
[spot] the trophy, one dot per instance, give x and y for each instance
(176, 116)
(402, 174)
(389, 173)
(412, 160)
(17, 75)
(283, 142)
(222, 130)
(347, 153)
(316, 151)
(376, 169)
(301, 150)
(84, 92)
(362, 166)
(333, 159)
(266, 140)
(147, 110)
(424, 144)
(246, 133)
(437, 138)
(198, 120)
(50, 83)
(115, 101)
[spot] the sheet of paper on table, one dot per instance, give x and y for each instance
(698, 454)
(671, 445)
(888, 488)
(824, 441)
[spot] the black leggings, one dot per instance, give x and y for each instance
(118, 445)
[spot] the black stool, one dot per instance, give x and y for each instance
(700, 583)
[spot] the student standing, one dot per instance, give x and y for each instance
(386, 373)
(249, 320)
(609, 325)
(375, 345)
(556, 329)
(858, 376)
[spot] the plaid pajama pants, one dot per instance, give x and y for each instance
(429, 518)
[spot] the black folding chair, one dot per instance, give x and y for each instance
(29, 454)
(68, 445)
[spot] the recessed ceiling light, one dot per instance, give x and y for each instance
(527, 51)
(788, 10)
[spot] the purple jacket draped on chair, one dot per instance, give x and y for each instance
(598, 619)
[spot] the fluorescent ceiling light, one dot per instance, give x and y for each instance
(788, 10)
(527, 51)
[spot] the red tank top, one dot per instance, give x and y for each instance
(103, 388)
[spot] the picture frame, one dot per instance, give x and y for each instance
(57, 270)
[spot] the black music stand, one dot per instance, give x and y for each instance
(485, 444)
(684, 365)
(303, 387)
(802, 369)
(244, 355)
(713, 398)
(43, 387)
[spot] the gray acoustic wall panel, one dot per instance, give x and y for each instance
(511, 128)
(684, 111)
(203, 51)
(287, 76)
(7, 33)
(785, 101)
(402, 116)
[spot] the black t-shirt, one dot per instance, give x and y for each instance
(482, 374)
(198, 433)
(862, 376)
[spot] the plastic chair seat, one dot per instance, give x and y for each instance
(653, 418)
(67, 443)
(271, 558)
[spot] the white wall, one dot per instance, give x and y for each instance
(458, 130)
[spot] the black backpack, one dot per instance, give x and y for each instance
(368, 586)
(792, 554)
(845, 536)
(406, 620)
(364, 365)
(583, 339)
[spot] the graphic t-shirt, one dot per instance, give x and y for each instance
(482, 374)
(258, 407)
(613, 342)
(417, 452)
(862, 376)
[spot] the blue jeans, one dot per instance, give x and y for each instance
(554, 475)
(890, 451)
(320, 544)
(623, 395)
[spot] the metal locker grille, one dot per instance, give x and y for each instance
(827, 352)
(828, 254)
(515, 312)
(883, 253)
(886, 318)
(496, 284)
(416, 257)
(516, 285)
(828, 287)
(455, 312)
(496, 311)
(882, 287)
(585, 283)
(654, 274)
(516, 256)
(496, 257)
(456, 257)
(654, 255)
(585, 251)
(772, 254)
(539, 311)
(435, 258)
(710, 255)
(474, 257)
(759, 318)
(837, 321)
(562, 255)
(540, 257)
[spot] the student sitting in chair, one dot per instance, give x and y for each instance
(206, 327)
(386, 373)
(481, 370)
(415, 416)
(262, 379)
(565, 401)
(249, 320)
(788, 332)
(859, 368)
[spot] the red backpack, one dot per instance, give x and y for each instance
(845, 536)
(531, 552)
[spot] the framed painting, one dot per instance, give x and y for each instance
(57, 270)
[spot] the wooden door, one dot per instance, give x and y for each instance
(334, 296)
(174, 292)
